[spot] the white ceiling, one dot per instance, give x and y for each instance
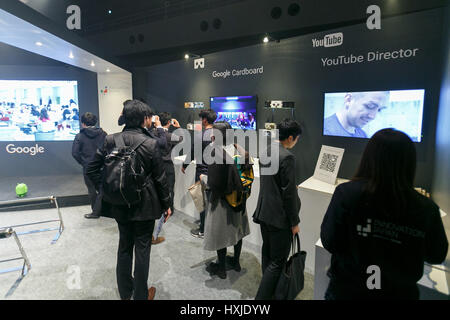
(22, 34)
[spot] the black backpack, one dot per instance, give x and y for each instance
(123, 175)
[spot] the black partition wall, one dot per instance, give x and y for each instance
(56, 156)
(297, 69)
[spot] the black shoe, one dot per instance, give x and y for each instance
(91, 216)
(215, 270)
(235, 265)
(197, 234)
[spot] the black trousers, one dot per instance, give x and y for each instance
(95, 198)
(170, 174)
(137, 236)
(275, 252)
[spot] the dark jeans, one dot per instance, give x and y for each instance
(135, 235)
(275, 252)
(95, 198)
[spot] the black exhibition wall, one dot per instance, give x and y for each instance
(17, 64)
(293, 70)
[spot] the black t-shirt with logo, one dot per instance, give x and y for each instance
(367, 240)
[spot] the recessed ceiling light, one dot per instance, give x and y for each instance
(186, 56)
(266, 39)
(71, 56)
(39, 44)
(107, 70)
(92, 64)
(109, 11)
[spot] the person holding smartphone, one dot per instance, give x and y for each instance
(165, 120)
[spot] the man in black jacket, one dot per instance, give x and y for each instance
(154, 126)
(278, 209)
(166, 121)
(84, 148)
(136, 223)
(208, 118)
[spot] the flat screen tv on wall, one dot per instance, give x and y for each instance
(38, 110)
(238, 111)
(361, 114)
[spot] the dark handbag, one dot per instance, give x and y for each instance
(292, 278)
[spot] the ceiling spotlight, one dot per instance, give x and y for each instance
(186, 56)
(71, 55)
(39, 44)
(107, 70)
(109, 11)
(266, 39)
(92, 64)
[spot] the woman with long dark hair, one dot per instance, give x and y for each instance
(225, 226)
(379, 230)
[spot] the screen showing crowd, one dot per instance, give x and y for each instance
(361, 114)
(239, 111)
(38, 110)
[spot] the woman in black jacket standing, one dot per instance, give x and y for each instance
(379, 230)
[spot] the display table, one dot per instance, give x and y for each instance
(433, 285)
(182, 199)
(315, 196)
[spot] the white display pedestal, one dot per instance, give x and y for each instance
(433, 285)
(315, 196)
(182, 199)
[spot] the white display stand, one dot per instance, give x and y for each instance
(315, 196)
(433, 285)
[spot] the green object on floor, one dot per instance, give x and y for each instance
(21, 190)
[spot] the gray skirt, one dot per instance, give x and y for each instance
(224, 227)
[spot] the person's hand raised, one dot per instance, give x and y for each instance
(175, 123)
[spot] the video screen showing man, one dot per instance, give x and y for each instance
(358, 109)
(361, 114)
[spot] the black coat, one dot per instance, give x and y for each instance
(278, 201)
(359, 232)
(171, 140)
(156, 198)
(86, 143)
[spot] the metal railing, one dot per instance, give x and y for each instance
(20, 202)
(7, 233)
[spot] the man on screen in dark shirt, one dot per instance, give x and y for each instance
(359, 109)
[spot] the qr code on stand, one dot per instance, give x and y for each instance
(328, 162)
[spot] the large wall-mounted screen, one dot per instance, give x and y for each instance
(41, 110)
(238, 111)
(361, 114)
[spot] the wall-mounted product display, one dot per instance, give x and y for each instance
(194, 105)
(38, 110)
(279, 104)
(238, 111)
(361, 114)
